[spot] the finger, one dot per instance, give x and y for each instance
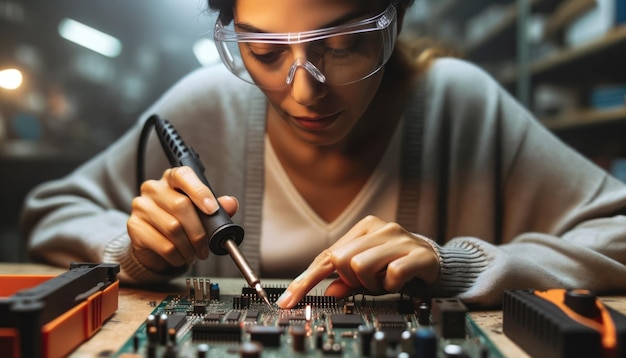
(365, 226)
(369, 264)
(345, 265)
(186, 180)
(187, 236)
(338, 288)
(420, 263)
(183, 215)
(360, 238)
(230, 204)
(146, 239)
(319, 269)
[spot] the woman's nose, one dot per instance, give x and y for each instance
(306, 87)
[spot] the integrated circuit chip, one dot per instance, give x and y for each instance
(346, 320)
(386, 320)
(268, 336)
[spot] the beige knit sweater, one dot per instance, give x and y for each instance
(508, 204)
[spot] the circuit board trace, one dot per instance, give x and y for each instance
(202, 323)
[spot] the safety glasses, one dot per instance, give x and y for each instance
(337, 55)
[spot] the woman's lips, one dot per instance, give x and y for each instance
(316, 123)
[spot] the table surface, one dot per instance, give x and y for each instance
(136, 304)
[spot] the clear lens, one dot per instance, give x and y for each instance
(336, 56)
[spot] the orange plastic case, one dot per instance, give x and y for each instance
(49, 316)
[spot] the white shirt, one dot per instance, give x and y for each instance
(292, 234)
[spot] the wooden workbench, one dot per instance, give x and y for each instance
(136, 304)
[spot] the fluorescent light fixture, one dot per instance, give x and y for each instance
(90, 38)
(10, 79)
(206, 52)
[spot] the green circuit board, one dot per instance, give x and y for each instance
(203, 323)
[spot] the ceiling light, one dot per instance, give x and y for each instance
(10, 79)
(90, 38)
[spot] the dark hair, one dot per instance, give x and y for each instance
(225, 8)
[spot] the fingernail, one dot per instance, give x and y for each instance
(210, 206)
(284, 299)
(301, 276)
(236, 201)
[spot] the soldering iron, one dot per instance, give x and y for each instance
(224, 235)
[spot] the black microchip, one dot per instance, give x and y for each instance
(297, 318)
(268, 336)
(221, 332)
(213, 317)
(386, 320)
(252, 315)
(176, 321)
(232, 316)
(346, 320)
(199, 308)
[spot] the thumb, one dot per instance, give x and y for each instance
(229, 204)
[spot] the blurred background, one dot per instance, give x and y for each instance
(75, 74)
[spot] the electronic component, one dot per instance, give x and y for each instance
(219, 332)
(318, 326)
(49, 316)
(268, 336)
(563, 323)
(345, 321)
(448, 317)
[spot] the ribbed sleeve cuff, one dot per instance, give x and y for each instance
(132, 271)
(460, 264)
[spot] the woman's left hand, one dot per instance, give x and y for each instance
(375, 255)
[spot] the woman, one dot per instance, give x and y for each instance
(345, 156)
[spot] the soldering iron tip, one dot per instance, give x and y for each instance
(261, 292)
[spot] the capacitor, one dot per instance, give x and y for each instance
(424, 315)
(162, 329)
(202, 350)
(214, 292)
(171, 336)
(454, 351)
(407, 342)
(379, 344)
(153, 335)
(319, 339)
(151, 350)
(425, 343)
(171, 351)
(250, 350)
(365, 334)
(135, 343)
(151, 321)
(298, 335)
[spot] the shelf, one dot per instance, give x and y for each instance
(461, 10)
(613, 43)
(567, 12)
(585, 118)
(598, 59)
(498, 42)
(546, 6)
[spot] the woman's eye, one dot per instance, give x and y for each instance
(268, 57)
(341, 45)
(265, 54)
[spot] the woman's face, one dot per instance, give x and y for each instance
(317, 113)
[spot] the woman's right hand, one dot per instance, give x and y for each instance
(164, 227)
